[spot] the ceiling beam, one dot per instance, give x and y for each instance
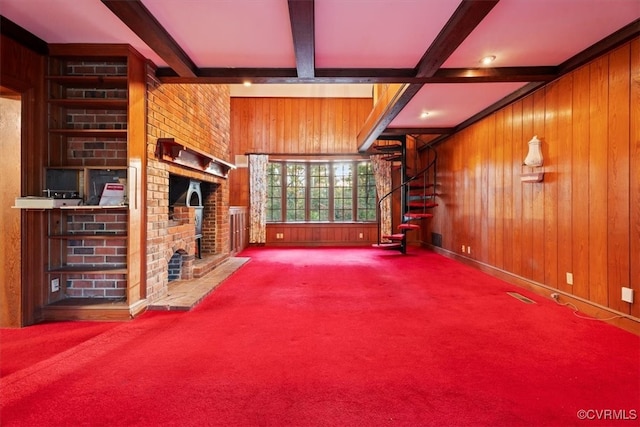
(301, 14)
(463, 21)
(15, 32)
(138, 18)
(362, 75)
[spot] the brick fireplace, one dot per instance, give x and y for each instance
(194, 123)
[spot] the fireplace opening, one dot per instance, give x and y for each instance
(185, 192)
(175, 267)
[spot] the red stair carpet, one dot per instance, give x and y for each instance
(330, 337)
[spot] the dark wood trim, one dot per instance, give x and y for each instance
(416, 131)
(463, 21)
(301, 14)
(361, 75)
(600, 48)
(466, 17)
(138, 18)
(494, 75)
(15, 32)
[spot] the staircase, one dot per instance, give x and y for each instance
(416, 190)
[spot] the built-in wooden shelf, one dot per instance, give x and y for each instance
(120, 269)
(91, 103)
(119, 82)
(70, 236)
(99, 133)
(93, 207)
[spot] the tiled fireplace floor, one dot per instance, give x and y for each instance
(185, 294)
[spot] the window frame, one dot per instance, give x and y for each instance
(330, 164)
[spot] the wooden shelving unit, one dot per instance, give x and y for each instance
(96, 136)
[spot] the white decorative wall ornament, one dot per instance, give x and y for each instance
(534, 159)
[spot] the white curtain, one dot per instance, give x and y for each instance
(382, 175)
(258, 198)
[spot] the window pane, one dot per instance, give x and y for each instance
(367, 202)
(343, 191)
(319, 192)
(296, 191)
(274, 192)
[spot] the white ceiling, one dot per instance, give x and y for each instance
(348, 34)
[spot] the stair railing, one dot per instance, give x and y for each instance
(421, 173)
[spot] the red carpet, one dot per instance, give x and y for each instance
(331, 337)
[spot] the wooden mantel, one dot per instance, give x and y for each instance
(168, 150)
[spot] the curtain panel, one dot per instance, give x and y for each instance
(258, 198)
(382, 175)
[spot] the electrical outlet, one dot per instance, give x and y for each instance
(279, 235)
(361, 236)
(555, 296)
(468, 249)
(55, 285)
(627, 295)
(569, 278)
(464, 248)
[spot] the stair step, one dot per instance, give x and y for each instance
(388, 147)
(397, 236)
(387, 245)
(392, 158)
(418, 215)
(407, 226)
(421, 193)
(419, 184)
(423, 204)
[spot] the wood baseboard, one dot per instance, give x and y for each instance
(621, 320)
(92, 310)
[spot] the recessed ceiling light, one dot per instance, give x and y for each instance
(247, 83)
(487, 60)
(424, 115)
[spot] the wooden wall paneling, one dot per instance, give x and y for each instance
(274, 123)
(450, 194)
(327, 128)
(564, 171)
(265, 120)
(598, 160)
(303, 123)
(492, 189)
(469, 190)
(518, 203)
(338, 117)
(525, 133)
(321, 128)
(473, 220)
(618, 178)
(509, 190)
(280, 125)
(499, 167)
(137, 128)
(483, 251)
(464, 196)
(288, 118)
(10, 219)
(292, 145)
(634, 184)
(537, 255)
(23, 72)
(580, 182)
(551, 178)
